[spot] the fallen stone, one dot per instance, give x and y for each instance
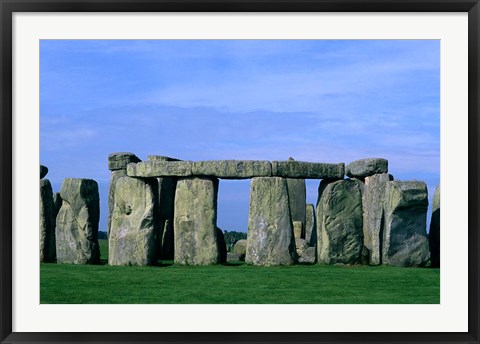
(374, 198)
(366, 167)
(233, 257)
(405, 238)
(43, 171)
(77, 222)
(47, 223)
(307, 170)
(308, 256)
(300, 246)
(147, 169)
(434, 233)
(240, 248)
(120, 160)
(232, 169)
(339, 222)
(310, 225)
(270, 239)
(195, 222)
(132, 238)
(297, 229)
(297, 195)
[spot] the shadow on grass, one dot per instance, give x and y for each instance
(234, 264)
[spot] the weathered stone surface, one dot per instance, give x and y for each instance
(307, 170)
(222, 246)
(166, 205)
(405, 239)
(240, 248)
(434, 233)
(43, 171)
(132, 232)
(367, 167)
(77, 222)
(57, 203)
(339, 222)
(308, 256)
(47, 222)
(310, 225)
(270, 239)
(235, 169)
(120, 160)
(374, 198)
(297, 195)
(158, 168)
(195, 221)
(297, 229)
(114, 177)
(232, 169)
(300, 246)
(161, 158)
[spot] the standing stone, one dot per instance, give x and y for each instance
(373, 204)
(434, 233)
(114, 177)
(297, 196)
(166, 205)
(132, 239)
(195, 222)
(270, 239)
(47, 222)
(57, 203)
(222, 246)
(77, 222)
(117, 164)
(43, 171)
(310, 225)
(297, 229)
(405, 238)
(339, 222)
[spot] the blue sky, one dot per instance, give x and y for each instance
(313, 100)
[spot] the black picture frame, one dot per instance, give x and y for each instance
(8, 7)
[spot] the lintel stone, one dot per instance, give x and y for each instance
(236, 169)
(147, 169)
(367, 167)
(232, 169)
(161, 158)
(307, 170)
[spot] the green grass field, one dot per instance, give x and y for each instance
(236, 284)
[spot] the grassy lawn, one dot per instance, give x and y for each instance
(236, 284)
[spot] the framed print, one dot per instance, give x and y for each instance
(86, 83)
